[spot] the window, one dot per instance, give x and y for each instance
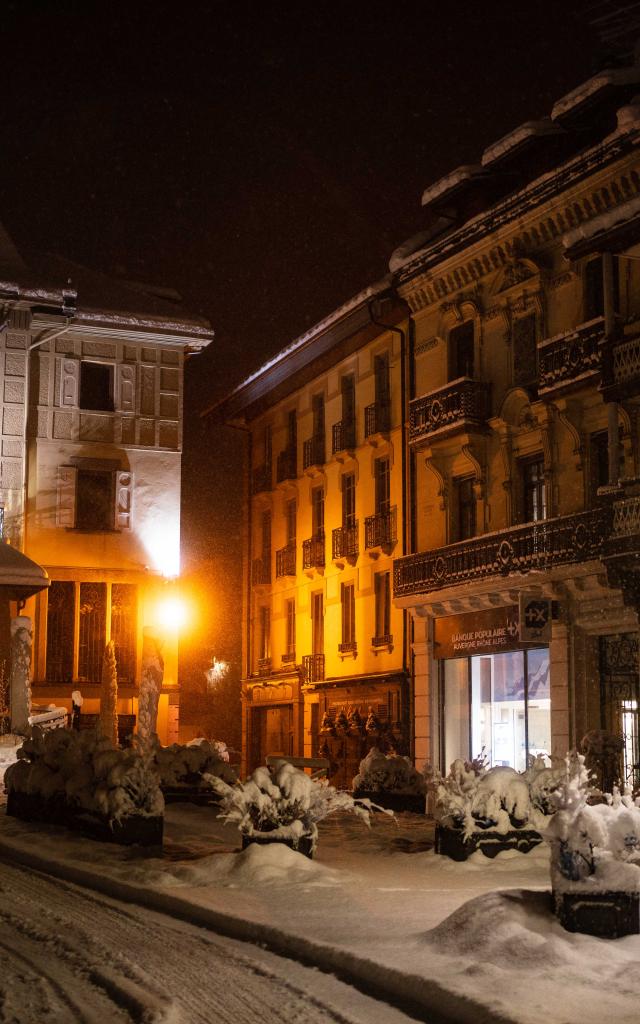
(348, 601)
(265, 633)
(266, 537)
(317, 623)
(348, 389)
(96, 386)
(534, 495)
(382, 592)
(598, 464)
(525, 366)
(105, 610)
(349, 499)
(465, 508)
(94, 500)
(500, 703)
(266, 442)
(381, 371)
(292, 431)
(593, 289)
(318, 416)
(461, 345)
(290, 613)
(317, 511)
(382, 476)
(94, 495)
(291, 520)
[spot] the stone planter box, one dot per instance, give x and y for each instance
(450, 842)
(609, 915)
(134, 829)
(413, 802)
(305, 845)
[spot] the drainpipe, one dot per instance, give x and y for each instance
(25, 451)
(407, 530)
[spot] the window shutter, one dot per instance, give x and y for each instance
(126, 391)
(66, 509)
(69, 370)
(124, 487)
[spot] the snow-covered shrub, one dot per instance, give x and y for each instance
(195, 764)
(87, 771)
(109, 695)
(594, 848)
(284, 803)
(388, 773)
(473, 797)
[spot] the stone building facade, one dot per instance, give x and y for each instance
(325, 655)
(515, 437)
(92, 390)
(523, 433)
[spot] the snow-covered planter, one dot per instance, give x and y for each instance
(282, 804)
(78, 779)
(187, 772)
(595, 857)
(391, 781)
(491, 809)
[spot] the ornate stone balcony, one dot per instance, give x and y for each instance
(313, 667)
(286, 560)
(570, 359)
(380, 530)
(345, 541)
(461, 404)
(286, 465)
(313, 452)
(343, 436)
(313, 552)
(539, 545)
(621, 368)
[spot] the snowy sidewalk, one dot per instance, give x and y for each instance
(475, 942)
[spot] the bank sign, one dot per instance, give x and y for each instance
(492, 630)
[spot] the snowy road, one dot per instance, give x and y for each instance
(68, 955)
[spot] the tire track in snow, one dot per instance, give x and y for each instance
(94, 960)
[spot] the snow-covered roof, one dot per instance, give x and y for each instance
(517, 138)
(20, 576)
(323, 326)
(604, 222)
(588, 91)
(452, 182)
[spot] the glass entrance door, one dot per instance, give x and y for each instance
(499, 704)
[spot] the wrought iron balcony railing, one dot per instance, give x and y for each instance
(570, 359)
(380, 530)
(313, 552)
(343, 436)
(348, 647)
(286, 560)
(313, 453)
(539, 545)
(261, 571)
(621, 368)
(345, 541)
(261, 479)
(384, 640)
(286, 465)
(377, 418)
(288, 657)
(264, 666)
(313, 667)
(459, 405)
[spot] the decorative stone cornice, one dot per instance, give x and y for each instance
(420, 289)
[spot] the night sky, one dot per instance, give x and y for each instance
(263, 158)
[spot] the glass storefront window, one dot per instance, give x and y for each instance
(500, 703)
